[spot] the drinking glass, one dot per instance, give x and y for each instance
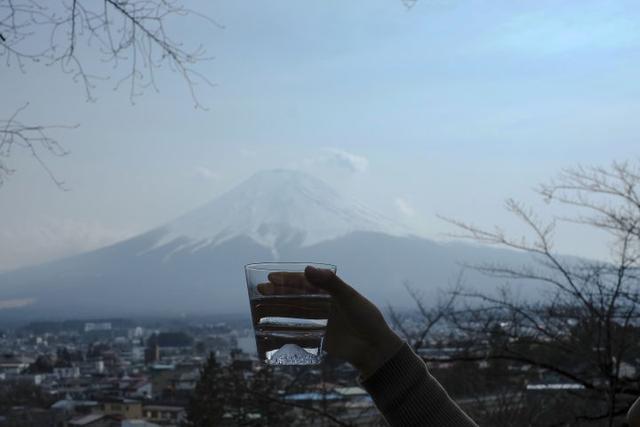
(289, 314)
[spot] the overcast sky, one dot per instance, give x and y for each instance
(447, 108)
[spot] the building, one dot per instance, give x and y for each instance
(14, 364)
(124, 408)
(95, 420)
(97, 326)
(165, 415)
(138, 423)
(140, 388)
(64, 372)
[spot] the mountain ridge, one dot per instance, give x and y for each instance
(276, 208)
(170, 271)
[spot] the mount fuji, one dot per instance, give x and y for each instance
(194, 264)
(277, 209)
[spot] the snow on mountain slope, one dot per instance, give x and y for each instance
(277, 208)
(195, 263)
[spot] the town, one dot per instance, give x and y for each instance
(121, 372)
(180, 371)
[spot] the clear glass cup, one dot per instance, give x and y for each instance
(289, 314)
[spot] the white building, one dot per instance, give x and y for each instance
(97, 326)
(66, 372)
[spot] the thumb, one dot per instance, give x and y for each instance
(328, 281)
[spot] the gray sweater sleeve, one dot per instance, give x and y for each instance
(408, 395)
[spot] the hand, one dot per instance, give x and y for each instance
(356, 330)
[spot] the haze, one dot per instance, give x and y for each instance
(445, 108)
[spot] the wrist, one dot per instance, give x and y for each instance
(378, 354)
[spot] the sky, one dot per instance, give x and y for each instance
(443, 109)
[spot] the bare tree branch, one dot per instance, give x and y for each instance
(80, 37)
(34, 139)
(585, 325)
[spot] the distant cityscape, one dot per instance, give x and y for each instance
(126, 372)
(122, 372)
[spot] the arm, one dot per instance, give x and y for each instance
(633, 416)
(395, 377)
(408, 395)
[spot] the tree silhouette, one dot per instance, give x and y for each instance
(131, 40)
(583, 328)
(206, 405)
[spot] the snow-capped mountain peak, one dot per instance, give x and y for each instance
(276, 208)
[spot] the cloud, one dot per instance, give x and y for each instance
(404, 207)
(15, 303)
(24, 244)
(204, 173)
(345, 160)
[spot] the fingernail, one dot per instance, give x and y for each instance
(276, 277)
(263, 289)
(310, 273)
(316, 274)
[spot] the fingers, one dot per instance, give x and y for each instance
(330, 282)
(290, 307)
(276, 289)
(287, 278)
(288, 283)
(312, 281)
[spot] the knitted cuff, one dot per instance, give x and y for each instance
(389, 384)
(407, 395)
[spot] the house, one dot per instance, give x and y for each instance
(71, 405)
(97, 326)
(627, 370)
(63, 372)
(312, 396)
(187, 381)
(95, 420)
(140, 388)
(138, 423)
(13, 364)
(165, 415)
(125, 408)
(92, 367)
(351, 392)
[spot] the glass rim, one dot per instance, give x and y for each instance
(273, 265)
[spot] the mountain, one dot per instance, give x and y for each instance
(194, 264)
(276, 209)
